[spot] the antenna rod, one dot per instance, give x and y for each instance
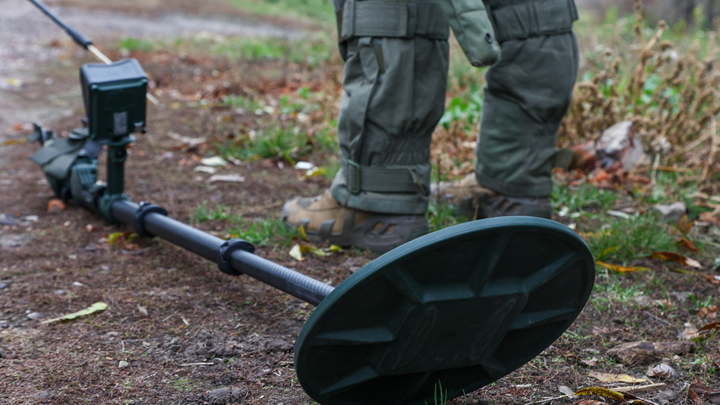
(80, 38)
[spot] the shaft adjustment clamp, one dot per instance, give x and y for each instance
(143, 209)
(225, 252)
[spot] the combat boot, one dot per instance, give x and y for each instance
(323, 218)
(472, 199)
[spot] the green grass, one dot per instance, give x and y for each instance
(289, 143)
(258, 231)
(219, 213)
(440, 216)
(318, 10)
(637, 237)
(263, 232)
(466, 107)
(136, 44)
(312, 50)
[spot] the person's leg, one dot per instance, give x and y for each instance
(394, 96)
(528, 92)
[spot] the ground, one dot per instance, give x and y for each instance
(179, 331)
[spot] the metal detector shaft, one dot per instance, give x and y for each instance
(207, 246)
(80, 38)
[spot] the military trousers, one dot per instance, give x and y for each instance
(394, 95)
(527, 95)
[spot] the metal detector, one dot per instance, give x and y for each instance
(461, 307)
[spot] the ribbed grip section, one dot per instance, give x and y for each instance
(207, 246)
(282, 278)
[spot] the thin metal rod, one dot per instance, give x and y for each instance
(99, 54)
(207, 246)
(81, 39)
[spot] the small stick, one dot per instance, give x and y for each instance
(639, 387)
(656, 318)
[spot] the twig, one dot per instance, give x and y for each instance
(691, 145)
(713, 147)
(656, 318)
(549, 400)
(196, 364)
(639, 387)
(705, 197)
(654, 169)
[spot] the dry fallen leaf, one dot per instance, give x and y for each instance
(623, 397)
(644, 352)
(301, 232)
(590, 363)
(710, 327)
(687, 244)
(713, 279)
(708, 312)
(690, 332)
(676, 257)
(55, 205)
(13, 142)
(96, 307)
(698, 392)
(620, 269)
(611, 378)
(662, 370)
(142, 310)
(684, 224)
(601, 392)
(296, 253)
(228, 178)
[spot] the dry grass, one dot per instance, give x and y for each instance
(667, 89)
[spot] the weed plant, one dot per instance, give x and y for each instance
(258, 231)
(662, 79)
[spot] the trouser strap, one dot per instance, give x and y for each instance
(533, 19)
(375, 18)
(383, 179)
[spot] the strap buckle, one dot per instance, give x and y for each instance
(352, 176)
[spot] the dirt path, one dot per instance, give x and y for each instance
(30, 43)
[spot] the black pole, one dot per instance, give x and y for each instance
(80, 38)
(209, 247)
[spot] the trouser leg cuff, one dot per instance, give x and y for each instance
(541, 190)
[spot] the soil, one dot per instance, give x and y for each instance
(176, 329)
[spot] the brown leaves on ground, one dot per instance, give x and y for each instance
(614, 377)
(621, 269)
(662, 370)
(622, 397)
(676, 257)
(699, 394)
(636, 353)
(708, 312)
